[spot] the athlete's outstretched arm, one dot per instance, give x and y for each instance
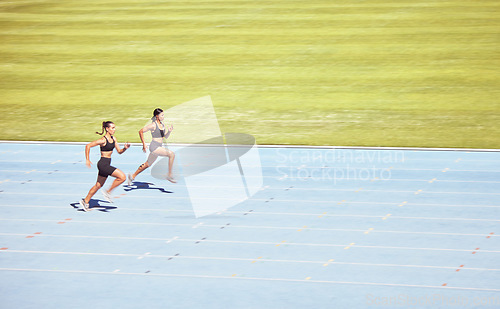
(149, 127)
(121, 150)
(98, 142)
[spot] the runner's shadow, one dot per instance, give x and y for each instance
(94, 205)
(137, 185)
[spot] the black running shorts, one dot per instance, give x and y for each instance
(104, 167)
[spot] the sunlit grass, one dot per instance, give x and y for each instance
(362, 73)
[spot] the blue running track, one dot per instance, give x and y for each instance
(330, 228)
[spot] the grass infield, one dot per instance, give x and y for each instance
(321, 72)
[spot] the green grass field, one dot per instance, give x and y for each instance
(320, 72)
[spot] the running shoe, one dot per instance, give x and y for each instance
(107, 196)
(130, 179)
(85, 206)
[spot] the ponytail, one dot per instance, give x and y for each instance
(105, 124)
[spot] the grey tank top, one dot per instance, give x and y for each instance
(157, 133)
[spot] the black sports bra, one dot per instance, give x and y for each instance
(109, 146)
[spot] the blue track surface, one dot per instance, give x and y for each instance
(331, 228)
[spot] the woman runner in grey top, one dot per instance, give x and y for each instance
(158, 132)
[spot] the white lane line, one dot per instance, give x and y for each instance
(337, 164)
(271, 214)
(421, 204)
(258, 227)
(149, 255)
(269, 147)
(310, 203)
(51, 182)
(248, 278)
(335, 190)
(295, 187)
(315, 188)
(252, 242)
(286, 168)
(45, 172)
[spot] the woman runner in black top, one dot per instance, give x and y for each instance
(159, 131)
(107, 143)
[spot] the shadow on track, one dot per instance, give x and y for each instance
(136, 185)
